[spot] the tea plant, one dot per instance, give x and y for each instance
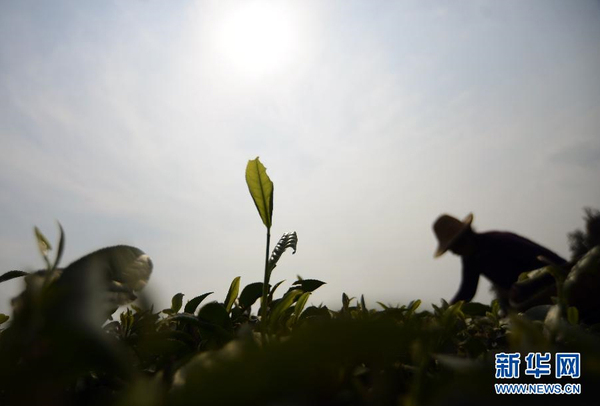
(61, 345)
(261, 189)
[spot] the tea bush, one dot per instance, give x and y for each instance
(261, 345)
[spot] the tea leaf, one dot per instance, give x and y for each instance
(274, 288)
(363, 304)
(345, 302)
(283, 305)
(300, 305)
(250, 294)
(61, 246)
(191, 306)
(288, 240)
(308, 285)
(12, 275)
(232, 294)
(176, 302)
(214, 313)
(261, 190)
(43, 245)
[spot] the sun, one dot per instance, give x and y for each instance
(259, 37)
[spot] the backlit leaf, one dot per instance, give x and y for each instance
(261, 190)
(232, 294)
(283, 305)
(43, 245)
(300, 305)
(42, 241)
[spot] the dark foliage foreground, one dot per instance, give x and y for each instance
(219, 353)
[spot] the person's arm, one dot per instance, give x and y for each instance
(468, 285)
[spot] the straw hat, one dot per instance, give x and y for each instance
(447, 229)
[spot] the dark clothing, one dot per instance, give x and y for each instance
(501, 257)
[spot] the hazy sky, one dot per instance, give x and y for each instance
(131, 122)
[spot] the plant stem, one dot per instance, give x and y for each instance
(265, 292)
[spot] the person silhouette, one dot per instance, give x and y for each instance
(499, 256)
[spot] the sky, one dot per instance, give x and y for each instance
(131, 122)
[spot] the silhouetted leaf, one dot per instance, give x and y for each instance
(176, 302)
(191, 306)
(61, 246)
(214, 313)
(307, 285)
(345, 302)
(363, 305)
(232, 294)
(12, 275)
(250, 294)
(288, 240)
(261, 190)
(274, 288)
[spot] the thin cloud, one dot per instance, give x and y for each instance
(123, 122)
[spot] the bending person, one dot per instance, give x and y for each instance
(497, 255)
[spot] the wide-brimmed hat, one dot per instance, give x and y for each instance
(447, 229)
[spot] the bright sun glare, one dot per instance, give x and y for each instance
(259, 37)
